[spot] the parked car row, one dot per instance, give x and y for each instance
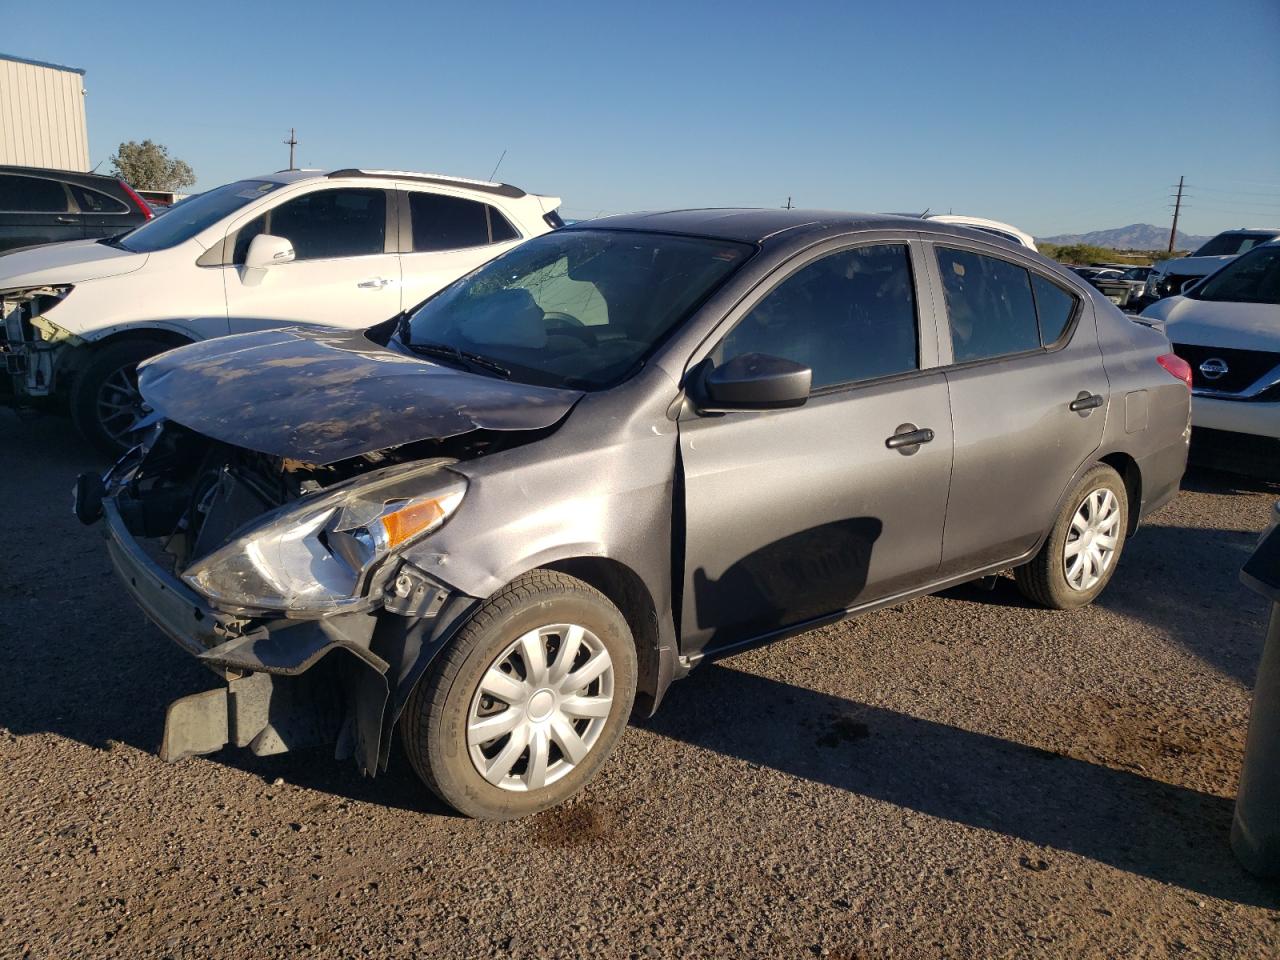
(1122, 284)
(441, 467)
(1171, 277)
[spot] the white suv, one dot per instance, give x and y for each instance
(1168, 277)
(347, 249)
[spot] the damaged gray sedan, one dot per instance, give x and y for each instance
(505, 521)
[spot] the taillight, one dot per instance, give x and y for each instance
(1177, 367)
(142, 204)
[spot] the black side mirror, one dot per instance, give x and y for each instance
(754, 381)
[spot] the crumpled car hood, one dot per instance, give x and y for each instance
(323, 395)
(72, 261)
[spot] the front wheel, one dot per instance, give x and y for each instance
(1083, 548)
(527, 702)
(105, 402)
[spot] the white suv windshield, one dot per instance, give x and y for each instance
(189, 217)
(1231, 244)
(1254, 278)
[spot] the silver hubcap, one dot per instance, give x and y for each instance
(119, 402)
(1092, 540)
(540, 707)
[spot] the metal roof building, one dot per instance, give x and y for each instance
(42, 120)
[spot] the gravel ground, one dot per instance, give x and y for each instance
(960, 776)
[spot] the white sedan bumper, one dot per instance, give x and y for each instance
(1236, 416)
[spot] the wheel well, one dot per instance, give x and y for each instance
(167, 337)
(1127, 467)
(77, 359)
(627, 592)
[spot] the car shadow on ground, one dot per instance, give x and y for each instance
(1171, 834)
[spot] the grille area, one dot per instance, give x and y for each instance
(1244, 367)
(1171, 284)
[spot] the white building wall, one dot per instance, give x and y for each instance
(42, 120)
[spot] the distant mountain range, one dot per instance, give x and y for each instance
(1136, 236)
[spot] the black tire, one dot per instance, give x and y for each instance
(434, 722)
(1044, 580)
(94, 384)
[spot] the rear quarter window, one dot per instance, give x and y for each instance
(1054, 306)
(94, 201)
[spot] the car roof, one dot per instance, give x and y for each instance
(441, 179)
(749, 225)
(73, 176)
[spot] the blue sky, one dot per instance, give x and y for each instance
(1055, 117)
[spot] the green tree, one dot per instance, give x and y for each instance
(148, 166)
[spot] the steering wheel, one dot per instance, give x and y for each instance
(568, 325)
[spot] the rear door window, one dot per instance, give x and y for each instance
(848, 316)
(324, 225)
(32, 195)
(442, 222)
(990, 307)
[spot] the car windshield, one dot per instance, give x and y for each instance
(574, 308)
(184, 220)
(1136, 273)
(1254, 278)
(1231, 244)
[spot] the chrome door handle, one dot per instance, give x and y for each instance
(65, 219)
(1086, 401)
(377, 283)
(908, 437)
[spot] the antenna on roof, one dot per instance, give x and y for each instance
(926, 212)
(497, 165)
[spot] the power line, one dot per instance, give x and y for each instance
(1177, 209)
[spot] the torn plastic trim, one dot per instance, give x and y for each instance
(30, 342)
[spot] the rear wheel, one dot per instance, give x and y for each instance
(527, 703)
(1083, 548)
(105, 402)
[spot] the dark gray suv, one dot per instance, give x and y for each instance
(509, 517)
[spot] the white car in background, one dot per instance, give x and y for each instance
(347, 249)
(1168, 277)
(994, 227)
(1228, 329)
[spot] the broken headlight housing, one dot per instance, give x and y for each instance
(317, 556)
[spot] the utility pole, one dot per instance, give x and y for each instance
(1177, 208)
(293, 142)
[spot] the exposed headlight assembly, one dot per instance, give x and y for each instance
(317, 556)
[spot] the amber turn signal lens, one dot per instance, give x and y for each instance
(409, 521)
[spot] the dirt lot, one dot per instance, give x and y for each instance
(959, 776)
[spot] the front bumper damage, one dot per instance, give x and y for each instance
(32, 346)
(288, 683)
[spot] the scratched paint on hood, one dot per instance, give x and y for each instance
(321, 396)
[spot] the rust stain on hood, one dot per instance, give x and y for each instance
(321, 396)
